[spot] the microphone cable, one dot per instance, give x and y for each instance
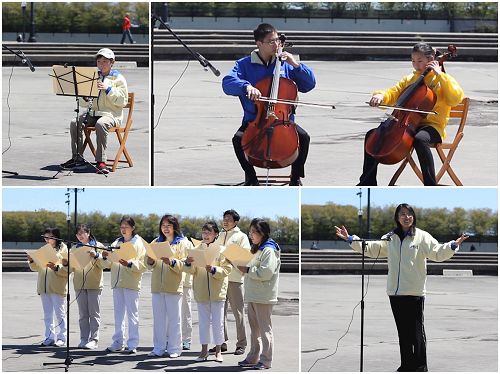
(352, 318)
(8, 106)
(169, 93)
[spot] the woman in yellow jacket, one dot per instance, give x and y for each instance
(88, 289)
(261, 293)
(166, 289)
(407, 249)
(52, 286)
(126, 279)
(210, 289)
(432, 128)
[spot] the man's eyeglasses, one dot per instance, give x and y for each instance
(272, 41)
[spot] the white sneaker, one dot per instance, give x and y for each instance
(130, 351)
(115, 348)
(60, 343)
(173, 355)
(91, 345)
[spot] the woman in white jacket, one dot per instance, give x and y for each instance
(407, 251)
(261, 293)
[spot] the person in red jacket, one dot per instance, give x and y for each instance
(126, 24)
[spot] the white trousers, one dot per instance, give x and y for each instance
(187, 321)
(53, 306)
(211, 317)
(126, 300)
(167, 322)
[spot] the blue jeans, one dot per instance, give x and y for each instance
(125, 34)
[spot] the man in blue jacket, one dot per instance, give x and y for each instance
(241, 82)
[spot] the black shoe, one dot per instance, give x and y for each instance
(295, 182)
(239, 351)
(223, 348)
(251, 182)
(73, 163)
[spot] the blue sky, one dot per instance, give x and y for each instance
(196, 202)
(441, 197)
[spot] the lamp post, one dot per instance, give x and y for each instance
(360, 213)
(163, 14)
(23, 9)
(32, 37)
(68, 216)
(75, 192)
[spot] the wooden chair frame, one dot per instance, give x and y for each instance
(121, 134)
(460, 111)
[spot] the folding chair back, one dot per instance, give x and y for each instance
(121, 134)
(460, 112)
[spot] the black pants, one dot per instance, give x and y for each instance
(297, 166)
(408, 313)
(425, 136)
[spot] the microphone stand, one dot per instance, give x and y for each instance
(202, 60)
(363, 250)
(24, 60)
(69, 360)
(197, 56)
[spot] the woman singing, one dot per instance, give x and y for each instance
(407, 253)
(261, 293)
(166, 289)
(52, 286)
(126, 279)
(210, 288)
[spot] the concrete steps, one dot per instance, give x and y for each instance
(349, 262)
(48, 54)
(314, 45)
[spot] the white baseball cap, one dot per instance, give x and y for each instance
(105, 52)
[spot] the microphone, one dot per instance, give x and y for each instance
(26, 60)
(387, 236)
(111, 248)
(205, 63)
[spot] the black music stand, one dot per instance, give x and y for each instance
(76, 81)
(69, 360)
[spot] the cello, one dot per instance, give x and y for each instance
(392, 141)
(271, 140)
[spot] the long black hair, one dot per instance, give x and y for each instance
(174, 222)
(263, 228)
(399, 228)
(54, 234)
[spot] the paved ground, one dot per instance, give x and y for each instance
(193, 138)
(39, 132)
(23, 328)
(461, 324)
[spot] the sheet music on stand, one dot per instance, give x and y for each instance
(75, 81)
